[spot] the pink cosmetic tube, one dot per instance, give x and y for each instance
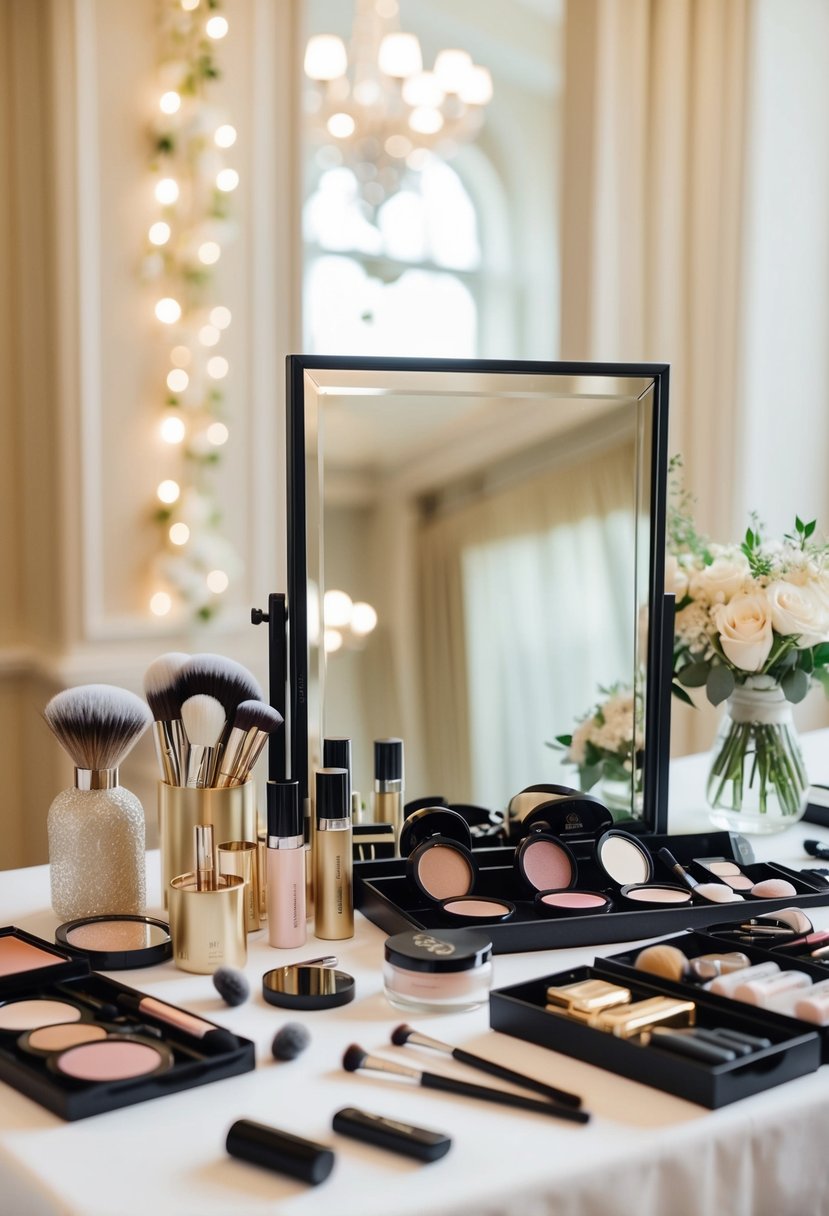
(761, 991)
(285, 866)
(724, 985)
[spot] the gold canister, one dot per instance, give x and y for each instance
(208, 926)
(231, 811)
(239, 857)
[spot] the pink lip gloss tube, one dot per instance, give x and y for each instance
(286, 866)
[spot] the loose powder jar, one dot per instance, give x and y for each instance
(438, 971)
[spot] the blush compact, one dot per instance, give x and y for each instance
(437, 845)
(623, 858)
(116, 942)
(477, 909)
(571, 903)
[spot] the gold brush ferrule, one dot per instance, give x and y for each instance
(205, 865)
(170, 749)
(231, 760)
(96, 778)
(588, 996)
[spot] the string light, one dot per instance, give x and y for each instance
(195, 563)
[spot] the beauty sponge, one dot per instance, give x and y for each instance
(773, 888)
(231, 985)
(290, 1041)
(666, 961)
(717, 893)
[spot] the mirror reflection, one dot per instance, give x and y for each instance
(478, 559)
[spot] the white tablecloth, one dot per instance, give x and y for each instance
(644, 1153)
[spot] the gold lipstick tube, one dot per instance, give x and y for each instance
(333, 892)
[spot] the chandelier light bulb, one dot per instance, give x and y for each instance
(217, 434)
(225, 136)
(425, 120)
(423, 89)
(336, 609)
(220, 316)
(452, 67)
(325, 57)
(332, 640)
(341, 126)
(363, 619)
(398, 146)
(159, 233)
(167, 191)
(189, 5)
(216, 28)
(168, 310)
(168, 491)
(399, 55)
(217, 367)
(160, 603)
(477, 88)
(209, 335)
(179, 534)
(217, 581)
(177, 380)
(227, 180)
(172, 430)
(209, 253)
(169, 102)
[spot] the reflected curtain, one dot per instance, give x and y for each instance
(544, 566)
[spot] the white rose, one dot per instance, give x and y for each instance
(676, 580)
(723, 579)
(798, 610)
(745, 631)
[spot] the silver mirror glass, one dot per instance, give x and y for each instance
(495, 531)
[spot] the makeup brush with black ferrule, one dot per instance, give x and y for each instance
(401, 1035)
(170, 738)
(253, 725)
(204, 721)
(356, 1058)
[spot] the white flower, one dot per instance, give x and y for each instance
(676, 580)
(798, 609)
(727, 575)
(745, 631)
(694, 628)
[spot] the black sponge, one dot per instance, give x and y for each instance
(231, 985)
(290, 1041)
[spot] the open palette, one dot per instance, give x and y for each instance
(80, 1044)
(572, 881)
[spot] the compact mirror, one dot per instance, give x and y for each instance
(475, 553)
(299, 986)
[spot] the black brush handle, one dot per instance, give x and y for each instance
(434, 1080)
(508, 1074)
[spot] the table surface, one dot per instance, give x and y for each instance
(644, 1151)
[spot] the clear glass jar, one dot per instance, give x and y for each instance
(439, 971)
(757, 781)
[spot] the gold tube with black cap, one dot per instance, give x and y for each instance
(388, 784)
(333, 895)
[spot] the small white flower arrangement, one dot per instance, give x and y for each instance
(607, 744)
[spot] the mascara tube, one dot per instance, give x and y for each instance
(286, 866)
(333, 896)
(388, 784)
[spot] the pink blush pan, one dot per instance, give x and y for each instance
(546, 864)
(571, 903)
(112, 1059)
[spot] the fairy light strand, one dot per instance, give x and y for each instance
(193, 178)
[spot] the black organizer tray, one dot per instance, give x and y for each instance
(693, 943)
(77, 1100)
(383, 894)
(519, 1010)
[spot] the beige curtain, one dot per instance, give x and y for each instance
(653, 205)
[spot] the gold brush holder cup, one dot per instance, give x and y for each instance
(208, 926)
(232, 812)
(239, 857)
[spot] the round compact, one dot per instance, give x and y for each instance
(571, 903)
(303, 987)
(567, 814)
(477, 909)
(441, 971)
(623, 858)
(118, 1057)
(654, 895)
(117, 943)
(545, 863)
(437, 845)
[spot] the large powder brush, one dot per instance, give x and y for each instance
(97, 724)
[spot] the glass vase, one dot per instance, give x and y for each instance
(757, 781)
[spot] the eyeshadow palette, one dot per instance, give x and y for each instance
(638, 1039)
(80, 1044)
(611, 890)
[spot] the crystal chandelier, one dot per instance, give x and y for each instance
(374, 108)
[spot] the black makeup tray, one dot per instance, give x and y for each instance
(693, 943)
(72, 1099)
(383, 893)
(519, 1010)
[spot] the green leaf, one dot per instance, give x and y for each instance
(795, 685)
(805, 660)
(694, 675)
(681, 694)
(720, 684)
(588, 776)
(822, 676)
(798, 523)
(564, 740)
(821, 654)
(809, 529)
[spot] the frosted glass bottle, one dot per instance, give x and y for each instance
(96, 849)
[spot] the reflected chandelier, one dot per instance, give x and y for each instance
(375, 109)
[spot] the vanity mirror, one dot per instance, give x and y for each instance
(505, 522)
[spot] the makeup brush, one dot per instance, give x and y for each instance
(711, 892)
(98, 725)
(204, 721)
(356, 1058)
(253, 724)
(160, 690)
(213, 675)
(401, 1035)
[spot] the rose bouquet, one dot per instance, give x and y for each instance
(607, 746)
(752, 628)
